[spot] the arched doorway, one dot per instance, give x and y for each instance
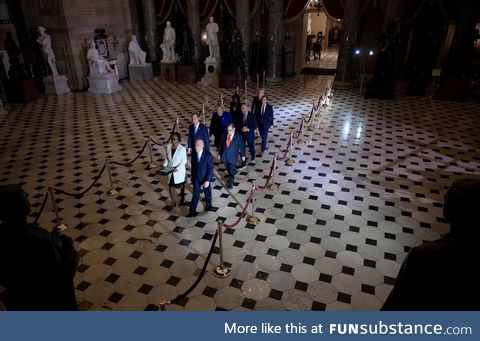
(321, 35)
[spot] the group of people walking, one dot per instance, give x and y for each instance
(232, 131)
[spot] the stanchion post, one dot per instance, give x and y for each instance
(59, 227)
(178, 126)
(163, 304)
(203, 114)
(112, 190)
(318, 114)
(273, 186)
(152, 164)
(252, 219)
(221, 271)
(301, 141)
(290, 161)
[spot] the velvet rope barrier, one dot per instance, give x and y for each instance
(285, 151)
(299, 130)
(269, 177)
(82, 193)
(197, 281)
(168, 140)
(40, 211)
(129, 163)
(241, 214)
(311, 115)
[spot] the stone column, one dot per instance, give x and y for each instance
(348, 38)
(193, 19)
(243, 16)
(150, 20)
(275, 41)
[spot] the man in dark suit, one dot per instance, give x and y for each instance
(202, 176)
(443, 274)
(197, 131)
(232, 145)
(249, 124)
(264, 115)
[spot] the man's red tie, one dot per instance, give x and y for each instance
(229, 139)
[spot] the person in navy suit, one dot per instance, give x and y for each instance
(197, 131)
(202, 176)
(232, 145)
(264, 114)
(249, 124)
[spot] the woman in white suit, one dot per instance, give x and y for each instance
(177, 159)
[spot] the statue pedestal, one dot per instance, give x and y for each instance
(186, 74)
(106, 83)
(56, 85)
(140, 72)
(167, 71)
(212, 69)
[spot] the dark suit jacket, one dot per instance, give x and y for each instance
(202, 133)
(251, 124)
(255, 103)
(202, 171)
(267, 120)
(237, 146)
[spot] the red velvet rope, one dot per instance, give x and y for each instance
(285, 151)
(249, 200)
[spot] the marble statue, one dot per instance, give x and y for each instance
(46, 44)
(168, 45)
(212, 39)
(137, 55)
(98, 64)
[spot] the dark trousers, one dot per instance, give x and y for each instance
(251, 146)
(232, 170)
(264, 134)
(196, 195)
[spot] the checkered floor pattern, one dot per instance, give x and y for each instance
(366, 187)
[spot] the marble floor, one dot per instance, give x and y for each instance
(328, 59)
(366, 187)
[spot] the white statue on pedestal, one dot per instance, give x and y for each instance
(98, 64)
(168, 45)
(212, 39)
(137, 55)
(46, 43)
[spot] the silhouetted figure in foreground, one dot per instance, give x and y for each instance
(36, 267)
(442, 275)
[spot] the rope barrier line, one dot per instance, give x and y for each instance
(199, 278)
(129, 163)
(219, 178)
(169, 137)
(82, 193)
(269, 177)
(242, 214)
(286, 150)
(299, 130)
(40, 211)
(311, 115)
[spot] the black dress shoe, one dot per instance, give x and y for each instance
(208, 208)
(191, 214)
(183, 203)
(170, 207)
(230, 186)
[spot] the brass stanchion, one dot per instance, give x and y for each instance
(252, 219)
(112, 190)
(301, 141)
(273, 186)
(290, 161)
(152, 164)
(59, 226)
(178, 126)
(325, 99)
(221, 271)
(163, 304)
(318, 114)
